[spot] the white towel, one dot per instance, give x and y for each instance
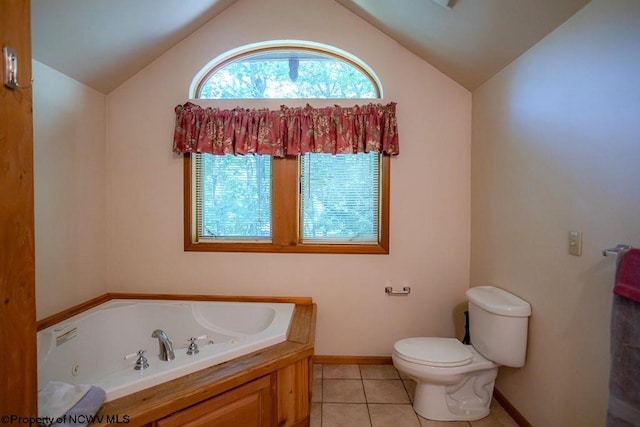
(56, 398)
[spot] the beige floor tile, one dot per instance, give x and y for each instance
(345, 415)
(316, 395)
(498, 417)
(341, 372)
(430, 423)
(317, 371)
(378, 372)
(342, 391)
(410, 386)
(385, 391)
(384, 415)
(316, 415)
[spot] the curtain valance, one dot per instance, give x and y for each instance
(286, 132)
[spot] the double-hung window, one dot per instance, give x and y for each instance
(312, 202)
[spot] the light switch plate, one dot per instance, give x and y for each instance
(575, 243)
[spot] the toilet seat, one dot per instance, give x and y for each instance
(433, 351)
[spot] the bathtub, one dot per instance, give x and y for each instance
(99, 346)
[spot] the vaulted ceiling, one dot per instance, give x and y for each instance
(102, 43)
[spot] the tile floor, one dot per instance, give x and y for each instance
(376, 396)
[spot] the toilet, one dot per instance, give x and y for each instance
(454, 382)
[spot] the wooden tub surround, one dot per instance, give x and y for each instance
(269, 387)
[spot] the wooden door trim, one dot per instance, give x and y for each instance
(18, 369)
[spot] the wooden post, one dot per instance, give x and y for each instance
(18, 370)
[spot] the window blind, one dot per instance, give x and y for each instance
(233, 197)
(340, 197)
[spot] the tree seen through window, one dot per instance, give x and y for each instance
(288, 74)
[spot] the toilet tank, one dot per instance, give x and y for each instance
(498, 323)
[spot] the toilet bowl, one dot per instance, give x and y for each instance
(454, 382)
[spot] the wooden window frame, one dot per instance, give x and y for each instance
(285, 213)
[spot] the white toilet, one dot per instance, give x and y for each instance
(455, 381)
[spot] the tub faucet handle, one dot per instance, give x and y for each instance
(193, 347)
(142, 362)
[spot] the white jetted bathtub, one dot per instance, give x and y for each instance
(99, 346)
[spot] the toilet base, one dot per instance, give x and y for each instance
(467, 400)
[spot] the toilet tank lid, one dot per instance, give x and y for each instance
(498, 301)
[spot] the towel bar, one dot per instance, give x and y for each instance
(615, 251)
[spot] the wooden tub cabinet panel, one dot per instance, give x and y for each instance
(286, 367)
(294, 392)
(248, 405)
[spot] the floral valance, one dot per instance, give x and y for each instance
(288, 131)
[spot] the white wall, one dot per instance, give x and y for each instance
(430, 188)
(556, 147)
(69, 136)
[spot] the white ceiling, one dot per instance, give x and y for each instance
(102, 43)
(471, 41)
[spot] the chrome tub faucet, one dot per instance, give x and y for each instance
(166, 346)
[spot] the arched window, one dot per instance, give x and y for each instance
(288, 72)
(313, 202)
